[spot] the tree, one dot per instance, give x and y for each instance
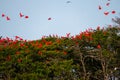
(116, 20)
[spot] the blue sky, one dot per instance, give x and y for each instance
(73, 17)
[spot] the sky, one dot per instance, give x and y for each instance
(66, 16)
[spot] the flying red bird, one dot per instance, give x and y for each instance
(26, 17)
(113, 12)
(21, 15)
(99, 7)
(3, 15)
(49, 18)
(106, 13)
(107, 4)
(7, 18)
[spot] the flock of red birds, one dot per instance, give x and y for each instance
(99, 7)
(107, 12)
(8, 18)
(20, 15)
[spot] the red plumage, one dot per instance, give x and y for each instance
(7, 18)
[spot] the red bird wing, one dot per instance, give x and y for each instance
(49, 18)
(21, 15)
(99, 7)
(7, 18)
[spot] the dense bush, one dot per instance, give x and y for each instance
(90, 55)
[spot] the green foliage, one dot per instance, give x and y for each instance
(88, 56)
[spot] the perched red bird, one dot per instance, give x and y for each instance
(3, 15)
(113, 12)
(106, 13)
(99, 7)
(21, 15)
(7, 18)
(16, 37)
(49, 18)
(98, 46)
(26, 17)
